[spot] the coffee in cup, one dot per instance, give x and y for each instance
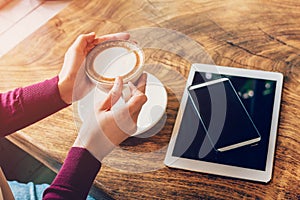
(114, 58)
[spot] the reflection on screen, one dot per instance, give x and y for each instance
(224, 116)
(257, 95)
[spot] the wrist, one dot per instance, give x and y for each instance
(65, 88)
(93, 140)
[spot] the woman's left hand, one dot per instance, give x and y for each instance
(73, 83)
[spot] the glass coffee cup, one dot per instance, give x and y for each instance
(114, 58)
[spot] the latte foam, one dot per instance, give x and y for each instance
(115, 61)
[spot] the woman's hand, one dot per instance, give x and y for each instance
(72, 75)
(109, 125)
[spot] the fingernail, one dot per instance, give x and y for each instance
(131, 84)
(117, 81)
(116, 84)
(122, 34)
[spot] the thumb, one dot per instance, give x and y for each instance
(113, 95)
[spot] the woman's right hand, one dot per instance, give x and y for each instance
(108, 127)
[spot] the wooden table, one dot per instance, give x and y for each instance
(246, 34)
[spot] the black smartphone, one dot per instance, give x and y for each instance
(226, 121)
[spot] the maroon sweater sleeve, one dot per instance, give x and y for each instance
(76, 176)
(24, 106)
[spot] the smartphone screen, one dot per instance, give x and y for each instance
(227, 123)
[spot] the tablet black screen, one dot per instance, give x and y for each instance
(257, 95)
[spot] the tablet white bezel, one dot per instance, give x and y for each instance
(221, 169)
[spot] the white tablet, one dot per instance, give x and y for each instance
(227, 122)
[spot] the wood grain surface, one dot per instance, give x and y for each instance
(250, 34)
